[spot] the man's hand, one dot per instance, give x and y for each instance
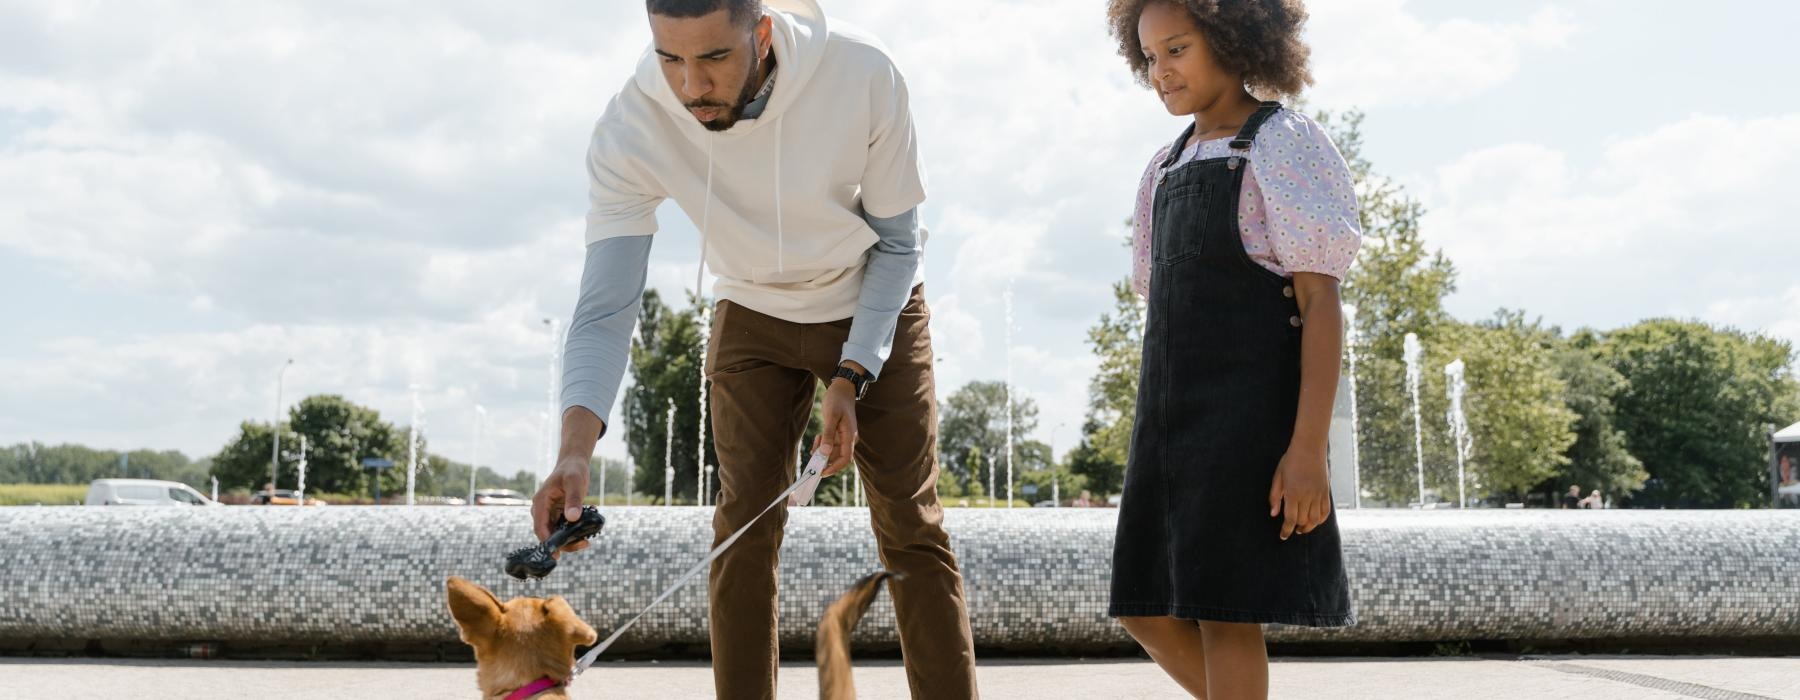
(839, 418)
(559, 500)
(1303, 481)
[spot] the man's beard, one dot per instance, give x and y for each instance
(736, 111)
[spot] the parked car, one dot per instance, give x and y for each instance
(144, 492)
(500, 497)
(283, 497)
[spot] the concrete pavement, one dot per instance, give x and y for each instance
(1460, 678)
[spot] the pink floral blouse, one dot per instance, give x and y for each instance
(1298, 209)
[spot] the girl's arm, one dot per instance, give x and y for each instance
(1303, 479)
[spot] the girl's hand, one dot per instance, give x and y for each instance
(1304, 483)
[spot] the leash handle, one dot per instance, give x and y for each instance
(813, 468)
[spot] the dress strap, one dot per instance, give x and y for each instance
(1247, 136)
(1179, 146)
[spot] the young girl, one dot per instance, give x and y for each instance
(1244, 225)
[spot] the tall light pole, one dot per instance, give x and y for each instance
(475, 461)
(552, 416)
(275, 450)
(1351, 337)
(1055, 474)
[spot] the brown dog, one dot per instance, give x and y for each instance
(527, 641)
(522, 644)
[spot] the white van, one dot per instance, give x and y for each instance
(144, 492)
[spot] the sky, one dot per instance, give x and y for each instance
(391, 193)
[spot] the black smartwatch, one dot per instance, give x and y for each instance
(858, 381)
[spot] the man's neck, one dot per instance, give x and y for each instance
(760, 99)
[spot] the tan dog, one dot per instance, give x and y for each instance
(520, 645)
(527, 641)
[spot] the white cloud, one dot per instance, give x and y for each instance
(1374, 53)
(391, 193)
(1667, 222)
(1777, 312)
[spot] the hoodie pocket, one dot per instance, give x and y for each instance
(814, 266)
(798, 277)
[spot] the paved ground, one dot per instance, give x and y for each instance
(1583, 677)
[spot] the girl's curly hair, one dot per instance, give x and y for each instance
(1257, 39)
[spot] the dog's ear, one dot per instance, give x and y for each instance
(476, 610)
(564, 617)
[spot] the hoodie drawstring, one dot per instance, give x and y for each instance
(780, 234)
(706, 211)
(705, 217)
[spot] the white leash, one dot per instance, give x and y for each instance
(809, 477)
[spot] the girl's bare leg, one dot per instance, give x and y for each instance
(1237, 661)
(1176, 645)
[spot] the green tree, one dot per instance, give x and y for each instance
(974, 422)
(1098, 473)
(339, 435)
(975, 467)
(1117, 341)
(1697, 406)
(1397, 286)
(1515, 406)
(1069, 483)
(1600, 458)
(665, 368)
(36, 463)
(244, 461)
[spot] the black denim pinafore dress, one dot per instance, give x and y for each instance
(1217, 396)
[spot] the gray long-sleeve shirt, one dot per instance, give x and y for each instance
(612, 290)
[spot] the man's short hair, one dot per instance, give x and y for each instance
(743, 12)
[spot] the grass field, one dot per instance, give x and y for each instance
(42, 494)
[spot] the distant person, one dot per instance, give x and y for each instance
(1572, 499)
(1085, 501)
(1243, 228)
(1593, 501)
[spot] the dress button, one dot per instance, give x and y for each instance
(1294, 321)
(1287, 292)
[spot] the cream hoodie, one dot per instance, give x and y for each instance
(779, 199)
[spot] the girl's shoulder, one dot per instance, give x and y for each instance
(1288, 128)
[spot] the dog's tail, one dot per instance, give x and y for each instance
(833, 644)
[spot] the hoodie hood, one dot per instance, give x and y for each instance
(781, 220)
(798, 36)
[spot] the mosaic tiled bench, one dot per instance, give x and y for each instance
(1037, 578)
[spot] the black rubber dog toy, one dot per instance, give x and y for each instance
(535, 561)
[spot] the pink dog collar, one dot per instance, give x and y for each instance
(538, 686)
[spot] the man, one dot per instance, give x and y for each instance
(1572, 499)
(790, 145)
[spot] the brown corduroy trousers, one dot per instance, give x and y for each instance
(764, 373)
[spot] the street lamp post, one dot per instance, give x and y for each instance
(275, 450)
(1055, 474)
(475, 461)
